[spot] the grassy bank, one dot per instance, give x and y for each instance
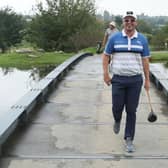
(43, 59)
(159, 56)
(27, 61)
(36, 59)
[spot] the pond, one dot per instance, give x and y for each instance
(16, 83)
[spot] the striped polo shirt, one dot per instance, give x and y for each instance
(127, 53)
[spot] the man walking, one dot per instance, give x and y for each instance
(130, 60)
(109, 31)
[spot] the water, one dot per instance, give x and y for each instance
(14, 84)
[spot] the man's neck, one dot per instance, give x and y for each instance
(129, 33)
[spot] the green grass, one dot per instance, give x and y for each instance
(90, 50)
(159, 56)
(36, 59)
(24, 61)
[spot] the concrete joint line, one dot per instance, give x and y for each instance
(96, 156)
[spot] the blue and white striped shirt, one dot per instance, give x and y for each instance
(127, 53)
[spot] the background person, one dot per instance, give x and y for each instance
(130, 60)
(109, 31)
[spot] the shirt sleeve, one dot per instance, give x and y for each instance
(109, 48)
(146, 51)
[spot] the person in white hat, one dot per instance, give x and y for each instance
(130, 62)
(109, 31)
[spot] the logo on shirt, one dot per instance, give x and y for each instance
(139, 42)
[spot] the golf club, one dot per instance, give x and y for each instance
(152, 117)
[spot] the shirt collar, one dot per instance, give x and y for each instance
(135, 35)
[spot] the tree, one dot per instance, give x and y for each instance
(106, 16)
(144, 27)
(11, 25)
(160, 38)
(118, 20)
(54, 25)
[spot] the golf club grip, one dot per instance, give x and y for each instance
(149, 100)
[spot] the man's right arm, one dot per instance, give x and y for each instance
(107, 78)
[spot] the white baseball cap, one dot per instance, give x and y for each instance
(112, 23)
(131, 14)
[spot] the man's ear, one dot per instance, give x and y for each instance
(136, 23)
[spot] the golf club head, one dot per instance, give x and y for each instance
(152, 117)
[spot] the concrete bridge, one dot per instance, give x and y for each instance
(74, 128)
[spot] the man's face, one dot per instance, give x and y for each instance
(129, 23)
(111, 27)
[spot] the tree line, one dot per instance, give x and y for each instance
(67, 25)
(70, 25)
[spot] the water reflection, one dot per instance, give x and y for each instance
(15, 83)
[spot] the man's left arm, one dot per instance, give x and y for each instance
(145, 63)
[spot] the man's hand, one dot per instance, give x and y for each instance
(147, 85)
(107, 79)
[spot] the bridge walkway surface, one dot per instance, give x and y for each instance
(74, 128)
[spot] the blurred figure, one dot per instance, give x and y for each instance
(109, 31)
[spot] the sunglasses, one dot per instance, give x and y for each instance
(129, 13)
(129, 20)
